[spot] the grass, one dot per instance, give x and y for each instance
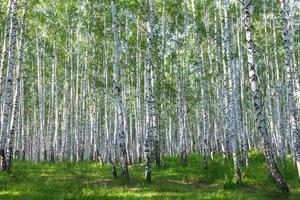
(72, 181)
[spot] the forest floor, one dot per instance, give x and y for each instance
(61, 181)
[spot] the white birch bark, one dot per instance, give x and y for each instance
(7, 99)
(64, 133)
(42, 146)
(16, 97)
(224, 88)
(260, 119)
(78, 137)
(94, 96)
(150, 100)
(108, 142)
(179, 95)
(118, 96)
(138, 95)
(292, 117)
(52, 108)
(200, 67)
(7, 27)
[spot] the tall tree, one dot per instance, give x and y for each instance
(232, 100)
(289, 79)
(16, 97)
(179, 95)
(118, 96)
(138, 94)
(150, 100)
(42, 143)
(7, 26)
(52, 108)
(7, 99)
(201, 70)
(260, 118)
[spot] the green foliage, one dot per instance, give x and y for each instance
(31, 181)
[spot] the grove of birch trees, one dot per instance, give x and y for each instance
(121, 82)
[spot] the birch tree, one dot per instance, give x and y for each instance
(255, 90)
(7, 99)
(150, 101)
(179, 97)
(118, 96)
(290, 93)
(16, 96)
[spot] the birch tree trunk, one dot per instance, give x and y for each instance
(218, 100)
(94, 96)
(179, 95)
(77, 131)
(138, 96)
(244, 130)
(42, 142)
(7, 27)
(201, 69)
(149, 58)
(22, 116)
(232, 101)
(64, 133)
(225, 88)
(52, 107)
(150, 100)
(260, 118)
(106, 97)
(118, 96)
(126, 91)
(85, 103)
(7, 99)
(15, 108)
(70, 138)
(292, 118)
(279, 116)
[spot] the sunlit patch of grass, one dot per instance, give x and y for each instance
(12, 193)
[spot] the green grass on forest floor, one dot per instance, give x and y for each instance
(61, 181)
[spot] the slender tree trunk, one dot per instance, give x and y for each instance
(9, 150)
(244, 130)
(218, 101)
(64, 134)
(260, 118)
(106, 107)
(7, 27)
(179, 95)
(150, 100)
(7, 99)
(232, 102)
(138, 96)
(126, 91)
(22, 120)
(292, 117)
(34, 132)
(70, 137)
(77, 112)
(94, 96)
(224, 89)
(200, 65)
(42, 142)
(118, 96)
(52, 107)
